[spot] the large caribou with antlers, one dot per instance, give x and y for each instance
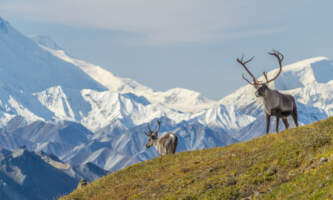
(275, 103)
(164, 145)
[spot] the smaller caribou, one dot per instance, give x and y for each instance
(164, 145)
(275, 103)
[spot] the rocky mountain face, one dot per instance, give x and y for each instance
(27, 175)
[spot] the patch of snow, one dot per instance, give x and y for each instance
(22, 111)
(56, 101)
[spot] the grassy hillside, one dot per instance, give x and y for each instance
(294, 164)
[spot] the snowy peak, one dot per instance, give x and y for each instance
(305, 73)
(300, 74)
(27, 67)
(104, 77)
(108, 107)
(178, 98)
(56, 101)
(182, 99)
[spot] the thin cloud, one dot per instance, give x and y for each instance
(162, 22)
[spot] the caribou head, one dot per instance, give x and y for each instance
(153, 135)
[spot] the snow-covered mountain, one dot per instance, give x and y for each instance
(25, 69)
(87, 116)
(308, 80)
(178, 98)
(60, 104)
(238, 116)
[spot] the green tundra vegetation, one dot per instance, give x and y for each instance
(293, 164)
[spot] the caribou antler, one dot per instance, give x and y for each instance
(151, 132)
(274, 53)
(243, 63)
(159, 126)
(280, 57)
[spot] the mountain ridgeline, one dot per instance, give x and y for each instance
(91, 119)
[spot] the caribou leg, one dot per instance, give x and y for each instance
(294, 115)
(160, 159)
(277, 124)
(268, 121)
(285, 121)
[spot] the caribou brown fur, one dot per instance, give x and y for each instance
(167, 144)
(275, 103)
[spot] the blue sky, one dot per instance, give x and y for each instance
(180, 43)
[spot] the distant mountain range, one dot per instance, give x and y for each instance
(82, 113)
(27, 175)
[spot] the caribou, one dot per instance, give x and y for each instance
(164, 145)
(275, 103)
